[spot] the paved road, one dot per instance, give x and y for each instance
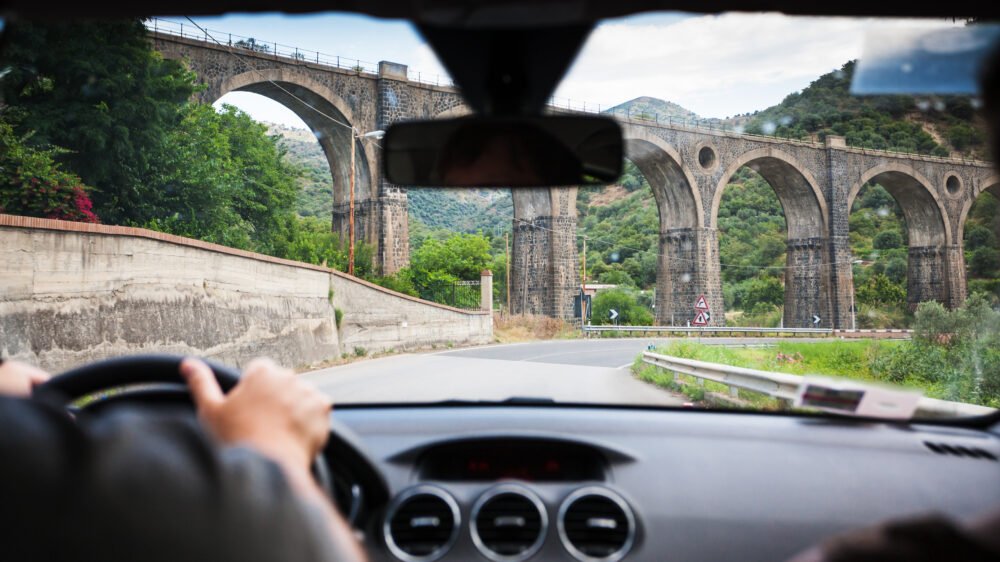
(563, 370)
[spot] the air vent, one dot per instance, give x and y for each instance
(421, 524)
(595, 524)
(509, 523)
(960, 451)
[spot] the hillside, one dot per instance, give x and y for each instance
(942, 125)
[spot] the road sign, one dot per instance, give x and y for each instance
(815, 319)
(612, 314)
(701, 303)
(702, 318)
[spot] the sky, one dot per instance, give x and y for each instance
(714, 65)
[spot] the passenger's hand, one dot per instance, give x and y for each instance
(269, 410)
(17, 379)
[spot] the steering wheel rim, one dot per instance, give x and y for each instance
(146, 369)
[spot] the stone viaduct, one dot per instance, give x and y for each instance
(688, 169)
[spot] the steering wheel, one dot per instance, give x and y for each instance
(161, 382)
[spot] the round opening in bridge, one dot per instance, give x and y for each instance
(706, 157)
(953, 184)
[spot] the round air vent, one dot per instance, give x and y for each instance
(508, 523)
(421, 524)
(595, 524)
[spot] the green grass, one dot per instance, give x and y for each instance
(708, 393)
(846, 359)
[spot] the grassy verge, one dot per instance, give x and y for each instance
(847, 359)
(708, 393)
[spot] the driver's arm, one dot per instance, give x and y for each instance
(280, 416)
(145, 486)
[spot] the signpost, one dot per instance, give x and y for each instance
(613, 315)
(702, 315)
(816, 319)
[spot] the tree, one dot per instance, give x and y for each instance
(985, 262)
(625, 302)
(100, 91)
(221, 179)
(978, 236)
(880, 291)
(887, 240)
(33, 184)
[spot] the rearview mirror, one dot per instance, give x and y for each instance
(504, 152)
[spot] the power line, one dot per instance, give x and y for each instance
(611, 243)
(229, 49)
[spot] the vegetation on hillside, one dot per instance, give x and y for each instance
(901, 123)
(954, 355)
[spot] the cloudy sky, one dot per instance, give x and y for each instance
(716, 66)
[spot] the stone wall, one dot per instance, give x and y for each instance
(71, 293)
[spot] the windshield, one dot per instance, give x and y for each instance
(785, 235)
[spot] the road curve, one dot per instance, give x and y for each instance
(592, 371)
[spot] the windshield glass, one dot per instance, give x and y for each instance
(782, 236)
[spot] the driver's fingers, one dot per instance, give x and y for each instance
(204, 388)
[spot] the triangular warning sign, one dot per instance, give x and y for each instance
(701, 319)
(701, 303)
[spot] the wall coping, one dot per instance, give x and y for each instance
(17, 221)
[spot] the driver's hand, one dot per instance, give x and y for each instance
(269, 410)
(17, 379)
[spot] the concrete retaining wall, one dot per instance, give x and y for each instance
(71, 293)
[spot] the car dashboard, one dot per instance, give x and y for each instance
(512, 483)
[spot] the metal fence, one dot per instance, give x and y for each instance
(706, 330)
(459, 294)
(263, 47)
(784, 386)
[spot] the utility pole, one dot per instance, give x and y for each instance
(506, 251)
(583, 287)
(350, 222)
(354, 137)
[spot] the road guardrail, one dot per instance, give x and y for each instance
(785, 386)
(742, 330)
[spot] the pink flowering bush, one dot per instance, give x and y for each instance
(32, 183)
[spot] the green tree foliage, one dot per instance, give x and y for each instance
(887, 240)
(985, 262)
(879, 290)
(955, 352)
(883, 122)
(756, 291)
(437, 265)
(33, 184)
(222, 180)
(626, 302)
(98, 90)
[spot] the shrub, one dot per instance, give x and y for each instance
(338, 316)
(360, 352)
(625, 301)
(33, 184)
(887, 240)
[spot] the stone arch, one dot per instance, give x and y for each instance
(926, 218)
(679, 279)
(674, 188)
(798, 191)
(930, 257)
(326, 114)
(807, 272)
(991, 184)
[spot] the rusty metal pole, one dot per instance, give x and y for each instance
(350, 222)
